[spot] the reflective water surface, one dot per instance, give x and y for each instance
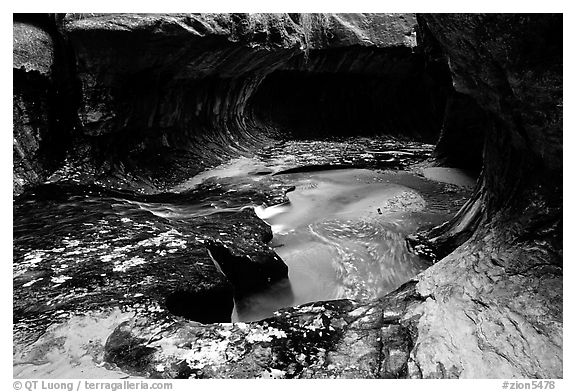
(340, 231)
(342, 235)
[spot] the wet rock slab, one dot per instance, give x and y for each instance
(467, 316)
(77, 252)
(333, 339)
(344, 152)
(86, 253)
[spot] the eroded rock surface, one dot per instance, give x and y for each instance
(33, 58)
(334, 339)
(482, 319)
(109, 251)
(166, 95)
(504, 284)
(490, 306)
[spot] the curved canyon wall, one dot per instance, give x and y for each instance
(165, 94)
(145, 101)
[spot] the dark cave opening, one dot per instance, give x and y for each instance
(316, 105)
(353, 92)
(461, 141)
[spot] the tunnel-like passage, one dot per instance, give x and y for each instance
(384, 93)
(187, 116)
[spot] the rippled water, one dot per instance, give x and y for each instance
(341, 233)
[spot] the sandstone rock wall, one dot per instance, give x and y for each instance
(32, 62)
(500, 293)
(173, 92)
(160, 87)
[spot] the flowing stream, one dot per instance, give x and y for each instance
(342, 235)
(341, 230)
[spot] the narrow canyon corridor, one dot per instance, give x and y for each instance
(287, 196)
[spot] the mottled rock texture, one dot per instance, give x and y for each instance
(44, 100)
(333, 339)
(164, 96)
(95, 258)
(33, 58)
(501, 292)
